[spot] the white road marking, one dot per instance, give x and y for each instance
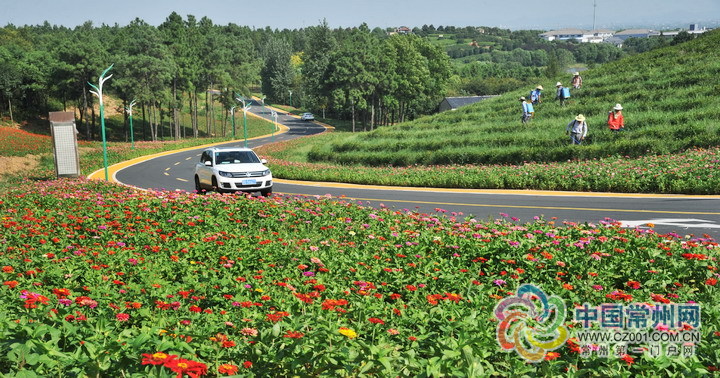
(679, 222)
(181, 179)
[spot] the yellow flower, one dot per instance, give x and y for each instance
(162, 332)
(348, 332)
(259, 290)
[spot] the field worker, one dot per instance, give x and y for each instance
(527, 111)
(562, 93)
(576, 80)
(615, 121)
(577, 129)
(535, 95)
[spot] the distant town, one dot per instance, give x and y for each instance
(616, 37)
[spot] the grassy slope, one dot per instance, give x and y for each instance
(668, 96)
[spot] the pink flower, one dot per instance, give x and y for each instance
(122, 317)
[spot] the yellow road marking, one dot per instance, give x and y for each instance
(177, 163)
(512, 206)
(491, 191)
(181, 179)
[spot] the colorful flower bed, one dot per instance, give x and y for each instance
(100, 280)
(691, 172)
(14, 142)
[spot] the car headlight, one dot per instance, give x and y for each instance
(266, 172)
(225, 174)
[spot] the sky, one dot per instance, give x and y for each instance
(294, 14)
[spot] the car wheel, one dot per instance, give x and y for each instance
(215, 186)
(266, 192)
(198, 188)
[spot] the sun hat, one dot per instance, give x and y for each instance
(539, 87)
(618, 107)
(559, 84)
(522, 98)
(580, 118)
(576, 73)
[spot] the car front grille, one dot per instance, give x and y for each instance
(257, 185)
(247, 174)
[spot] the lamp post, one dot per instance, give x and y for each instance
(290, 98)
(98, 92)
(245, 109)
(232, 114)
(128, 109)
(274, 126)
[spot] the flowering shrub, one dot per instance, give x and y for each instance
(101, 280)
(695, 171)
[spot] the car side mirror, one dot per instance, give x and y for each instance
(264, 161)
(208, 163)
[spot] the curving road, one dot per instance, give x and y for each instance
(696, 215)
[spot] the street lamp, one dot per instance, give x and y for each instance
(274, 127)
(98, 92)
(232, 114)
(290, 97)
(245, 109)
(129, 111)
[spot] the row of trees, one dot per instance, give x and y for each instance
(48, 68)
(358, 74)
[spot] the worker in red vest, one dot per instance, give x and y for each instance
(615, 121)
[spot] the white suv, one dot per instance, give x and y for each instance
(307, 117)
(232, 169)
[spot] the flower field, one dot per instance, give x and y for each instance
(14, 142)
(100, 280)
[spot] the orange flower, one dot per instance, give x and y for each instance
(158, 358)
(228, 369)
(551, 356)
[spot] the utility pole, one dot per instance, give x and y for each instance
(594, 8)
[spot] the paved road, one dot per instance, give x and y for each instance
(681, 214)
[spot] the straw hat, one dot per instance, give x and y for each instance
(618, 107)
(522, 98)
(576, 73)
(558, 84)
(539, 87)
(580, 118)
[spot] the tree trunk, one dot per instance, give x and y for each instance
(207, 113)
(94, 122)
(84, 115)
(352, 110)
(144, 128)
(11, 115)
(175, 115)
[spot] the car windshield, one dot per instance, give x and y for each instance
(236, 157)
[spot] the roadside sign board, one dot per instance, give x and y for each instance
(64, 139)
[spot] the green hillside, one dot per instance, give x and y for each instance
(669, 96)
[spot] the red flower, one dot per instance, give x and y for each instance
(182, 366)
(228, 369)
(228, 344)
(158, 358)
(633, 284)
(376, 321)
(293, 334)
(247, 364)
(122, 317)
(711, 281)
(628, 359)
